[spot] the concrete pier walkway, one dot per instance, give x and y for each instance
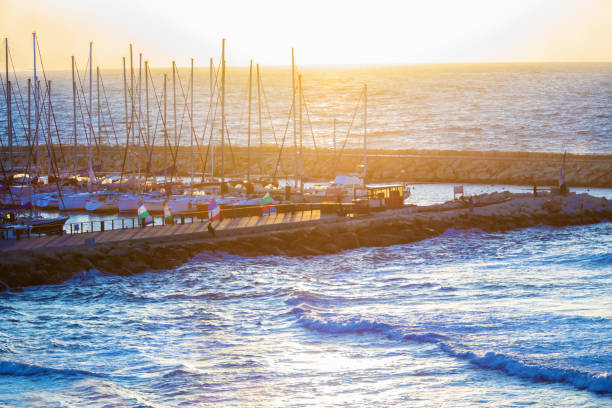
(223, 228)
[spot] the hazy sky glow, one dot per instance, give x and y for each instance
(322, 32)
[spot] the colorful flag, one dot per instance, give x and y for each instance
(142, 210)
(267, 205)
(214, 212)
(167, 214)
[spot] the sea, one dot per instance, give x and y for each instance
(468, 318)
(543, 107)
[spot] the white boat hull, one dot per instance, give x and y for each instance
(127, 204)
(101, 206)
(74, 202)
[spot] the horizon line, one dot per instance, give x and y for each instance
(368, 65)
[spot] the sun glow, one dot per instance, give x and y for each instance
(322, 32)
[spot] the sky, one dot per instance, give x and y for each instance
(323, 32)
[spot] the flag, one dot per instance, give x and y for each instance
(143, 213)
(267, 205)
(214, 212)
(167, 214)
(142, 210)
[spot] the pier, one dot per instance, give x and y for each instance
(48, 260)
(184, 231)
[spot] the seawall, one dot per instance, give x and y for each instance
(491, 212)
(492, 167)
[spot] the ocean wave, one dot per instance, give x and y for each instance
(598, 383)
(314, 299)
(13, 368)
(423, 285)
(353, 325)
(84, 276)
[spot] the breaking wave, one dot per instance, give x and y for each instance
(598, 383)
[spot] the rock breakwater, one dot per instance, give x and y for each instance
(493, 167)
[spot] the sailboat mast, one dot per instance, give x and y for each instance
(335, 157)
(365, 134)
(74, 118)
(301, 136)
(295, 157)
(132, 102)
(212, 148)
(9, 122)
(38, 126)
(29, 135)
(98, 104)
(146, 71)
(249, 123)
(139, 119)
(165, 128)
(35, 100)
(174, 104)
(192, 135)
(90, 109)
(49, 139)
(127, 124)
(260, 124)
(222, 112)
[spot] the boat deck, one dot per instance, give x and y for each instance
(223, 228)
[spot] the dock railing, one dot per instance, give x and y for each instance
(226, 211)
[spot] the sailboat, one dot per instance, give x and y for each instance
(103, 201)
(13, 225)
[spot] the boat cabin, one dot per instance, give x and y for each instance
(383, 196)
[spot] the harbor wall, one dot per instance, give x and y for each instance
(511, 211)
(491, 167)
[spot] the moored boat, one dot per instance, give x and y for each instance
(74, 202)
(104, 201)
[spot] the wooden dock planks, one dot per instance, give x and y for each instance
(234, 225)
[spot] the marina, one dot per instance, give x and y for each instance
(335, 204)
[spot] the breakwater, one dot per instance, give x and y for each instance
(489, 212)
(428, 166)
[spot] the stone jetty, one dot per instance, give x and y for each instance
(427, 166)
(497, 212)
